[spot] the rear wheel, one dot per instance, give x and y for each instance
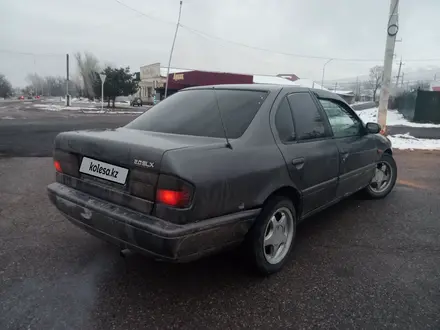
(270, 240)
(384, 178)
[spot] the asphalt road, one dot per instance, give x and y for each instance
(361, 264)
(4, 102)
(34, 136)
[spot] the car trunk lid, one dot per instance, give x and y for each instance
(119, 165)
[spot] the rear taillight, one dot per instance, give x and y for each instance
(57, 165)
(173, 198)
(174, 192)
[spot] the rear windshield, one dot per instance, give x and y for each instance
(195, 112)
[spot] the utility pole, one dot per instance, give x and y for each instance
(392, 29)
(67, 81)
(398, 73)
(357, 93)
(401, 82)
(336, 86)
(172, 48)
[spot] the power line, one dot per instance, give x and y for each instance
(238, 43)
(8, 51)
(144, 14)
(112, 22)
(210, 36)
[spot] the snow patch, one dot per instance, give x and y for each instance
(360, 103)
(368, 115)
(394, 118)
(163, 71)
(308, 84)
(408, 142)
(257, 79)
(274, 80)
(94, 112)
(56, 107)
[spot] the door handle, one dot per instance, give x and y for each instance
(298, 163)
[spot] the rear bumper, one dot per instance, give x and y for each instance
(147, 234)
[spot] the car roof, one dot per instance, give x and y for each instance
(271, 88)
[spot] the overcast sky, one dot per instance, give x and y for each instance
(119, 36)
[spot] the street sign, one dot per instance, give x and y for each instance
(102, 76)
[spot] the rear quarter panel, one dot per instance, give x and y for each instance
(226, 180)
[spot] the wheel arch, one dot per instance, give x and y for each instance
(388, 151)
(290, 192)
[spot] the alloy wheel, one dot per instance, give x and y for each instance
(382, 177)
(278, 235)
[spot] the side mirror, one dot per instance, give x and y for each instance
(373, 128)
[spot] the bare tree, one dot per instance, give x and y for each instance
(48, 85)
(78, 82)
(375, 81)
(88, 65)
(37, 83)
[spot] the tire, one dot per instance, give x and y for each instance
(373, 192)
(255, 244)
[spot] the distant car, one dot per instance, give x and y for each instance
(37, 97)
(29, 97)
(21, 97)
(212, 167)
(137, 101)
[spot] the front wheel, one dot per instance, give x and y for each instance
(271, 238)
(384, 178)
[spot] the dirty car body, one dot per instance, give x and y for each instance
(181, 191)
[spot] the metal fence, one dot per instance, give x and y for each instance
(419, 106)
(427, 109)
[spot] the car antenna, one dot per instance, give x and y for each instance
(228, 145)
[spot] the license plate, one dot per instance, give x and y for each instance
(103, 170)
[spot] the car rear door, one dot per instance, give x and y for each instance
(357, 149)
(311, 155)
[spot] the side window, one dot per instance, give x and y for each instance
(309, 123)
(284, 122)
(343, 123)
